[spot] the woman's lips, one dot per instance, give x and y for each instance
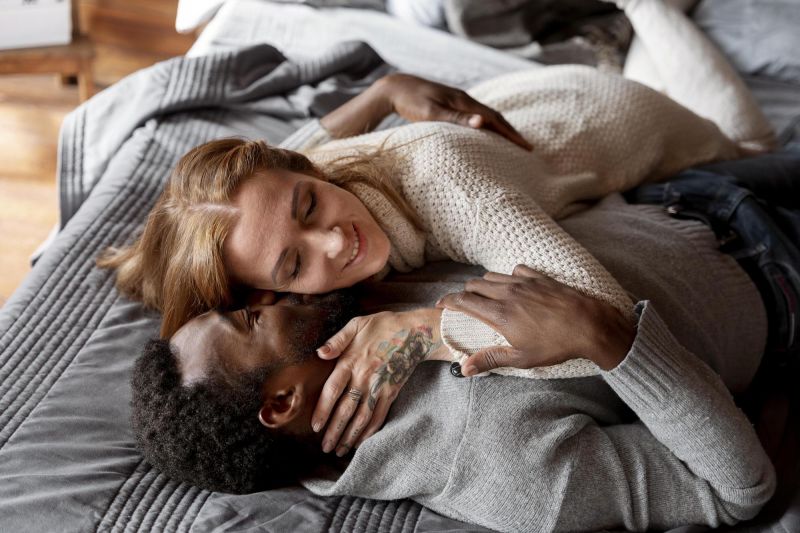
(360, 242)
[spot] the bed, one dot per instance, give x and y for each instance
(68, 339)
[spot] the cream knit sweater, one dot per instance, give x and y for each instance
(486, 201)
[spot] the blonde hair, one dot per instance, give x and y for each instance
(176, 265)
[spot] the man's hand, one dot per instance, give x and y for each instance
(377, 354)
(545, 321)
(417, 100)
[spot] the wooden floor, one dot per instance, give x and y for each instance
(127, 36)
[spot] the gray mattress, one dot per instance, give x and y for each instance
(68, 340)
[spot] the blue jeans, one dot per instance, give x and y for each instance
(753, 207)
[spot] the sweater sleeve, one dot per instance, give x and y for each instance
(693, 458)
(310, 135)
(508, 230)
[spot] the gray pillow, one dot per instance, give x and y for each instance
(761, 37)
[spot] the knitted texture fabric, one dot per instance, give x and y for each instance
(488, 202)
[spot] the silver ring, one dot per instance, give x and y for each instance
(355, 395)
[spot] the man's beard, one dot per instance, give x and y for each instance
(306, 336)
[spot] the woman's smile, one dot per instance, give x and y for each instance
(297, 233)
(359, 248)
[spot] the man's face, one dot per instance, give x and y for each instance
(265, 333)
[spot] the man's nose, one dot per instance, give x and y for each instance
(331, 242)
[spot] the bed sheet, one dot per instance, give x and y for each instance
(300, 30)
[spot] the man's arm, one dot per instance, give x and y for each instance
(693, 458)
(415, 99)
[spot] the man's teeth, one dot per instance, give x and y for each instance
(354, 253)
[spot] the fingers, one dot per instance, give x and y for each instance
(527, 272)
(346, 408)
(519, 274)
(484, 309)
(355, 429)
(500, 278)
(457, 116)
(495, 290)
(469, 112)
(489, 359)
(331, 391)
(500, 125)
(337, 344)
(378, 417)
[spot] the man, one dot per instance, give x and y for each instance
(228, 406)
(210, 384)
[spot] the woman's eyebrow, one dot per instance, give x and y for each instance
(296, 198)
(295, 201)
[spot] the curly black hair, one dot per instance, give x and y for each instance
(208, 433)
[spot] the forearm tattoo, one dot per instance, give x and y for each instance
(401, 355)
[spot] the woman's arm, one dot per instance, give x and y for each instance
(543, 321)
(416, 100)
(376, 355)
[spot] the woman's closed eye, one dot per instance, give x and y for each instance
(312, 205)
(296, 270)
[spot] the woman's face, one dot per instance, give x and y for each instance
(299, 234)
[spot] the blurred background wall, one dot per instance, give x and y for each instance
(122, 36)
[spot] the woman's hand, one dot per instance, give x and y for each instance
(415, 99)
(546, 322)
(377, 354)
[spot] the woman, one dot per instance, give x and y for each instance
(240, 214)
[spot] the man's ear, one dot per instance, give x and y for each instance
(280, 407)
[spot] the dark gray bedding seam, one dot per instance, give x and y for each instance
(151, 496)
(400, 516)
(134, 497)
(186, 522)
(412, 518)
(375, 516)
(180, 509)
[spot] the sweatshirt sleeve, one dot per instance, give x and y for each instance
(693, 459)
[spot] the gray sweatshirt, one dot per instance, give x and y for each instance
(653, 444)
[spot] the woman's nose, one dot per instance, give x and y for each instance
(331, 242)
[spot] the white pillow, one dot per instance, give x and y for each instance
(760, 37)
